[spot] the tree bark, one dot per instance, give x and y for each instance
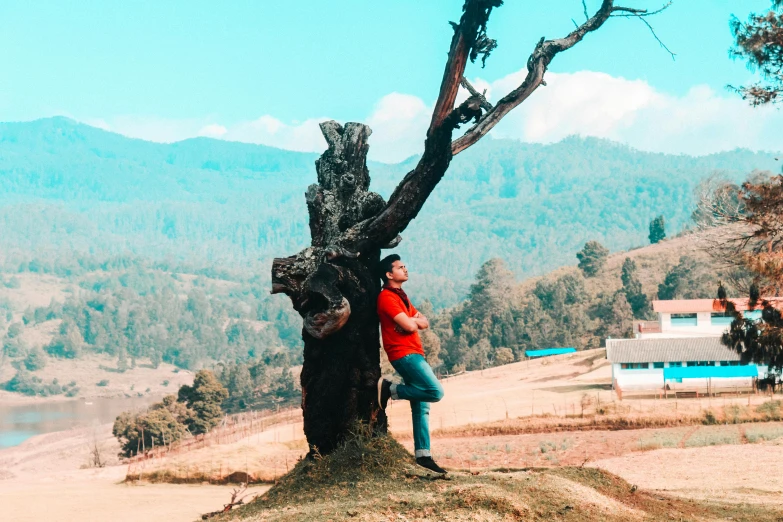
(335, 291)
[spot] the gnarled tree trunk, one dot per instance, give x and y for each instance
(333, 283)
(335, 291)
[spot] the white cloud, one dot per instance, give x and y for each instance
(151, 128)
(584, 103)
(213, 130)
(267, 130)
(631, 111)
(399, 123)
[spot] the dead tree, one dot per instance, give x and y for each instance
(332, 283)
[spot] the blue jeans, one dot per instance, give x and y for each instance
(421, 388)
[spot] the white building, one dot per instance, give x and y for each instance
(682, 350)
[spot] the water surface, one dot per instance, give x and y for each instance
(19, 422)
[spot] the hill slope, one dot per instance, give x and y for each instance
(68, 188)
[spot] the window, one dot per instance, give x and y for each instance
(692, 363)
(635, 366)
(721, 319)
(676, 364)
(753, 315)
(729, 363)
(657, 365)
(684, 320)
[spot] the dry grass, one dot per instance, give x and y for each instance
(375, 480)
(763, 432)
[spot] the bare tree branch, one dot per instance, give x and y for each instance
(640, 14)
(468, 41)
(473, 92)
(472, 26)
(537, 64)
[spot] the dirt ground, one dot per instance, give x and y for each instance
(681, 460)
(100, 497)
(737, 474)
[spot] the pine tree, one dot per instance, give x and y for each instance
(759, 41)
(657, 230)
(592, 258)
(632, 287)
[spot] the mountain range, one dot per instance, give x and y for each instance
(70, 189)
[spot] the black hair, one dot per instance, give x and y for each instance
(386, 265)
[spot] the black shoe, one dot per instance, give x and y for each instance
(384, 392)
(427, 462)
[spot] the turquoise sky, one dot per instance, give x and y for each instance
(148, 63)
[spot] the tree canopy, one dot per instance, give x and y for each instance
(759, 42)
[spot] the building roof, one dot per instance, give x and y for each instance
(549, 351)
(690, 306)
(668, 350)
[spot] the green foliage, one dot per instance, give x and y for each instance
(759, 42)
(194, 410)
(80, 188)
(503, 356)
(14, 347)
(28, 384)
(640, 304)
(15, 330)
(482, 324)
(161, 424)
(12, 282)
(68, 343)
(592, 258)
(687, 280)
(204, 398)
(35, 359)
(103, 382)
(657, 230)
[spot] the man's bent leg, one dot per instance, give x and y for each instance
(420, 381)
(420, 412)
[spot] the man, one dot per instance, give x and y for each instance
(400, 325)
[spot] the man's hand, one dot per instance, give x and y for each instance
(421, 321)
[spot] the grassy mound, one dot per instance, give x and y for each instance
(360, 458)
(375, 479)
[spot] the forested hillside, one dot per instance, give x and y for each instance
(501, 319)
(73, 195)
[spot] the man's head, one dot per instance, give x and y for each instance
(392, 270)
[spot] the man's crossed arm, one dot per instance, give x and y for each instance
(411, 324)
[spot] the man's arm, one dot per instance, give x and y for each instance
(411, 324)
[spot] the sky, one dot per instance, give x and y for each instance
(264, 71)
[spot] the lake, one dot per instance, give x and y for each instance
(19, 422)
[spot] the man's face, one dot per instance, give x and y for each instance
(399, 272)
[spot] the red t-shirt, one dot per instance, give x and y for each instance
(396, 342)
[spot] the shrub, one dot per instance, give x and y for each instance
(161, 424)
(770, 410)
(15, 330)
(103, 382)
(204, 398)
(26, 383)
(709, 418)
(504, 356)
(35, 360)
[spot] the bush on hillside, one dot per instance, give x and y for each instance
(195, 410)
(592, 258)
(35, 359)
